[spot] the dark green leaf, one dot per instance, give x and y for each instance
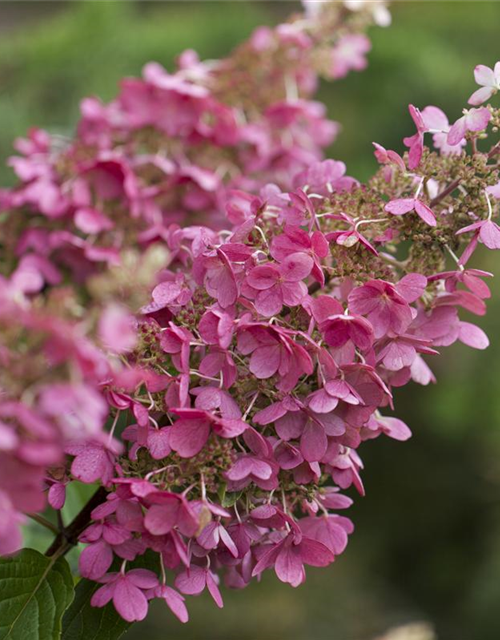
(34, 593)
(83, 622)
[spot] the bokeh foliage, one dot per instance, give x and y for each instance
(427, 545)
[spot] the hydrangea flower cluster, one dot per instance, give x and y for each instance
(241, 362)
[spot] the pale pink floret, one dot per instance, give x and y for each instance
(437, 123)
(472, 120)
(489, 81)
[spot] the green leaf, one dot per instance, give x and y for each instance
(34, 593)
(83, 622)
(230, 499)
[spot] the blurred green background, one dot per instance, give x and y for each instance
(427, 539)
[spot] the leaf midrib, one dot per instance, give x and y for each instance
(52, 562)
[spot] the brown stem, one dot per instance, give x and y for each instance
(69, 536)
(494, 150)
(451, 187)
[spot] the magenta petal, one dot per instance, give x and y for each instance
(296, 267)
(313, 443)
(269, 414)
(188, 437)
(192, 581)
(142, 578)
(175, 602)
(412, 286)
(315, 553)
(265, 361)
(263, 277)
(158, 443)
(269, 302)
(321, 402)
(490, 234)
(415, 154)
(102, 596)
(289, 567)
(425, 213)
(161, 518)
(214, 590)
(240, 469)
(95, 560)
(129, 601)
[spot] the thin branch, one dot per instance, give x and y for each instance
(494, 150)
(451, 187)
(43, 521)
(69, 536)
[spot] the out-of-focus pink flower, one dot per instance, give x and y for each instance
(349, 54)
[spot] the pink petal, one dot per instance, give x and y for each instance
(166, 292)
(188, 437)
(321, 402)
(102, 596)
(480, 96)
(490, 234)
(457, 132)
(95, 560)
(214, 590)
(57, 495)
(161, 518)
(412, 286)
(315, 553)
(175, 602)
(228, 542)
(395, 428)
(129, 601)
(142, 578)
(473, 336)
(269, 414)
(313, 443)
(434, 118)
(159, 443)
(400, 206)
(289, 567)
(263, 277)
(477, 119)
(269, 303)
(192, 581)
(425, 213)
(265, 361)
(484, 76)
(296, 267)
